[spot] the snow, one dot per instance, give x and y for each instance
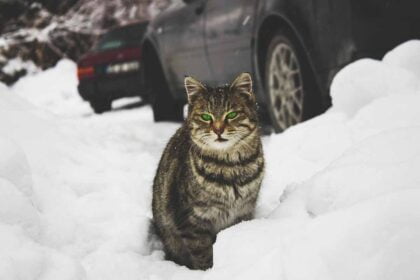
(340, 199)
(59, 90)
(17, 64)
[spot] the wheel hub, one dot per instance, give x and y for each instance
(285, 86)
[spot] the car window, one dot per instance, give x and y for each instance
(121, 37)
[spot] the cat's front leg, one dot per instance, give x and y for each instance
(245, 217)
(200, 245)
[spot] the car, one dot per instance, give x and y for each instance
(113, 68)
(292, 48)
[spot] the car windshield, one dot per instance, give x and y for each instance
(129, 35)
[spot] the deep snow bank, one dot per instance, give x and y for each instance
(54, 90)
(74, 193)
(340, 199)
(348, 183)
(21, 226)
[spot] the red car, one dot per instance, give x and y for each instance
(113, 68)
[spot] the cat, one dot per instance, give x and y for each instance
(210, 172)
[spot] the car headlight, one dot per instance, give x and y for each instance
(123, 67)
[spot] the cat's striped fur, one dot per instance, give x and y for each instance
(210, 173)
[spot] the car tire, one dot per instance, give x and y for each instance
(165, 106)
(100, 106)
(292, 94)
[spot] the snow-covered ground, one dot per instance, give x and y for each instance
(340, 200)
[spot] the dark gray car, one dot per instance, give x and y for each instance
(293, 48)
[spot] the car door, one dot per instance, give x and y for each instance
(228, 34)
(183, 43)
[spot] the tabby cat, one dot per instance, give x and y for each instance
(210, 172)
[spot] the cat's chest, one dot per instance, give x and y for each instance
(230, 185)
(224, 212)
(225, 192)
(224, 204)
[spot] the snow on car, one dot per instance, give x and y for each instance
(340, 199)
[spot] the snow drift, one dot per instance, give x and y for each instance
(340, 199)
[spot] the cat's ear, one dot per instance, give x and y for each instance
(193, 88)
(243, 84)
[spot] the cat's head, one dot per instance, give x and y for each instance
(221, 117)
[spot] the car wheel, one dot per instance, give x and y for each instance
(288, 80)
(165, 107)
(100, 106)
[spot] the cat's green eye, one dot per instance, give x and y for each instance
(206, 117)
(231, 115)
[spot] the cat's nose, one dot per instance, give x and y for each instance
(218, 127)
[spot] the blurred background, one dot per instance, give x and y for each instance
(36, 34)
(145, 48)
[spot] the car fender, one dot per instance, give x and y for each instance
(293, 18)
(151, 44)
